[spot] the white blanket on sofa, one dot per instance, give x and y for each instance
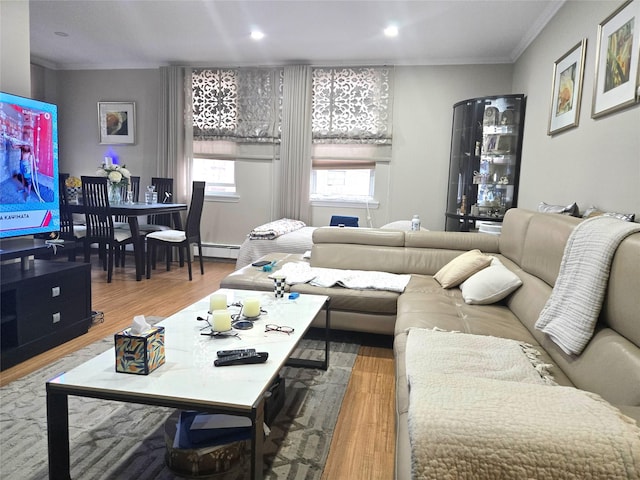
(469, 419)
(302, 272)
(569, 317)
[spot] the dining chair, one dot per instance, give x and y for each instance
(99, 222)
(163, 221)
(183, 239)
(68, 230)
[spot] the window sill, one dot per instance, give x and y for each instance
(223, 198)
(345, 203)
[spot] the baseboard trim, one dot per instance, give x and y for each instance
(220, 251)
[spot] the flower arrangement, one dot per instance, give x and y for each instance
(73, 182)
(117, 174)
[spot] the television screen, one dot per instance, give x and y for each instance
(29, 192)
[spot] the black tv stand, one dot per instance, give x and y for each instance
(43, 303)
(24, 248)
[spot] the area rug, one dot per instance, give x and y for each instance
(113, 440)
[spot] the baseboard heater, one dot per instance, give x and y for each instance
(219, 250)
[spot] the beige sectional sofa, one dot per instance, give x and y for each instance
(531, 245)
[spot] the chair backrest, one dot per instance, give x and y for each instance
(135, 188)
(195, 210)
(95, 199)
(164, 187)
(66, 217)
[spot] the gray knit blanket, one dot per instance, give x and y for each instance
(569, 317)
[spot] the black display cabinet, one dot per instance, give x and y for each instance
(484, 169)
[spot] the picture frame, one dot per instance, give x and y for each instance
(566, 89)
(117, 123)
(617, 57)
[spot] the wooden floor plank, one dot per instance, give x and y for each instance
(364, 440)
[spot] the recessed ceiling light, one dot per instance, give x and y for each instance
(257, 35)
(391, 31)
(61, 34)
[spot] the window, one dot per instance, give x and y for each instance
(236, 115)
(357, 183)
(219, 175)
(351, 129)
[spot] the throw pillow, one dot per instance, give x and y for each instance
(462, 267)
(490, 284)
(594, 212)
(571, 210)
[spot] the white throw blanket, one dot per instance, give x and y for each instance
(478, 355)
(571, 312)
(469, 419)
(274, 229)
(301, 272)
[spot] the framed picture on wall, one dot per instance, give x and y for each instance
(566, 89)
(617, 57)
(117, 123)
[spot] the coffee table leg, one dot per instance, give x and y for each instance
(327, 333)
(323, 364)
(58, 435)
(257, 441)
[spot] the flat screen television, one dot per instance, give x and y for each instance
(29, 191)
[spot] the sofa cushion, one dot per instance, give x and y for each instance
(370, 301)
(490, 284)
(461, 268)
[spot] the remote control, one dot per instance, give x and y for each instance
(241, 359)
(228, 353)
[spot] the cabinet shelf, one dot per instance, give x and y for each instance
(501, 130)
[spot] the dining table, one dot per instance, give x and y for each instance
(139, 209)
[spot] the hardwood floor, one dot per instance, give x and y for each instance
(363, 445)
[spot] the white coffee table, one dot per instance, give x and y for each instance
(188, 380)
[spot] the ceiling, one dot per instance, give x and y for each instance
(112, 34)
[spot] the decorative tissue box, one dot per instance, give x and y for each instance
(139, 354)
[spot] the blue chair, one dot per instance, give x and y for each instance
(341, 221)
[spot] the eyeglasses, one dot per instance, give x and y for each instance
(278, 328)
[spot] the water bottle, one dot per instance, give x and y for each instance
(415, 223)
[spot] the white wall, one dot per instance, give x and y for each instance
(77, 96)
(15, 48)
(597, 163)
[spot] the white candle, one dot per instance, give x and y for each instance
(251, 307)
(221, 320)
(217, 301)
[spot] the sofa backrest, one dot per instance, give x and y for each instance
(610, 364)
(358, 249)
(421, 252)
